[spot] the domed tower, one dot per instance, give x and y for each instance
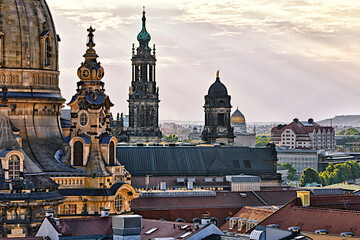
(143, 93)
(217, 106)
(29, 69)
(238, 122)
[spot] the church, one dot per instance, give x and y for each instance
(75, 167)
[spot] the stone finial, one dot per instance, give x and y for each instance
(217, 74)
(91, 43)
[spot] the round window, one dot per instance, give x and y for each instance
(118, 203)
(83, 119)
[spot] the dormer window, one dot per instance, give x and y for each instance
(47, 41)
(14, 167)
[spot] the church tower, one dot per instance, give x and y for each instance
(143, 93)
(217, 106)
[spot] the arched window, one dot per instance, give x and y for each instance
(78, 153)
(14, 167)
(83, 119)
(112, 154)
(118, 203)
(48, 49)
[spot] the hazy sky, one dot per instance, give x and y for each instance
(278, 59)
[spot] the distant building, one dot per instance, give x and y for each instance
(242, 137)
(217, 106)
(300, 159)
(304, 135)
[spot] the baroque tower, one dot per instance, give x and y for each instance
(217, 106)
(143, 93)
(91, 148)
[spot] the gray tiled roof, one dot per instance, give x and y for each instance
(195, 161)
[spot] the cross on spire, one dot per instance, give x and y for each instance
(91, 43)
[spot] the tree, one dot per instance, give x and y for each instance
(170, 138)
(291, 171)
(262, 141)
(309, 176)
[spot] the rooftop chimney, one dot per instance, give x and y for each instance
(104, 212)
(127, 227)
(50, 214)
(296, 120)
(311, 120)
(205, 219)
(57, 221)
(305, 197)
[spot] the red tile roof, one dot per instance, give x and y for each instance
(222, 205)
(86, 226)
(332, 218)
(250, 213)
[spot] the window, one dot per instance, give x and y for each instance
(48, 50)
(111, 154)
(14, 167)
(68, 209)
(221, 119)
(78, 154)
(102, 119)
(118, 203)
(1, 48)
(83, 119)
(247, 164)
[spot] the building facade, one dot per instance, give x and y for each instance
(143, 92)
(304, 135)
(242, 137)
(217, 107)
(300, 159)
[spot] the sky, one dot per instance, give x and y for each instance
(278, 59)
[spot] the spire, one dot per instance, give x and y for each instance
(144, 37)
(217, 75)
(90, 69)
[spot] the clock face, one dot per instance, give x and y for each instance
(86, 73)
(99, 74)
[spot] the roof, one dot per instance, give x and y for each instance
(44, 95)
(300, 127)
(245, 178)
(53, 195)
(222, 205)
(250, 213)
(91, 191)
(164, 229)
(196, 161)
(323, 213)
(105, 139)
(95, 226)
(348, 187)
(217, 89)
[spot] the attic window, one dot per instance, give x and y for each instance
(247, 164)
(14, 167)
(46, 39)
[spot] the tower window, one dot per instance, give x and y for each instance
(83, 119)
(118, 203)
(111, 154)
(78, 153)
(221, 119)
(14, 167)
(102, 119)
(1, 48)
(48, 49)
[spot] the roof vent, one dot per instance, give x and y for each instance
(104, 212)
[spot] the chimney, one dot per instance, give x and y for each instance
(127, 227)
(163, 186)
(205, 219)
(190, 185)
(296, 120)
(57, 221)
(311, 121)
(104, 212)
(50, 214)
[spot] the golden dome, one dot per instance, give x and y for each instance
(237, 117)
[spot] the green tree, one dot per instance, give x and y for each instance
(349, 131)
(262, 141)
(309, 176)
(291, 171)
(170, 138)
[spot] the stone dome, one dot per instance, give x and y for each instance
(25, 27)
(237, 117)
(217, 89)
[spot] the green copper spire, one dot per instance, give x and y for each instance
(144, 37)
